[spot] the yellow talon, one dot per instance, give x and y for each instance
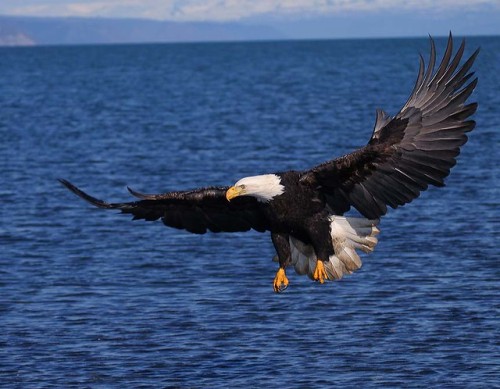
(320, 272)
(280, 281)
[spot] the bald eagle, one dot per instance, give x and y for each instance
(303, 210)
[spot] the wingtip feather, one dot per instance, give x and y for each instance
(80, 193)
(139, 195)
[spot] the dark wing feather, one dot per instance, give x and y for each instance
(409, 151)
(195, 211)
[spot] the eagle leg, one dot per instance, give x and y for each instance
(282, 246)
(280, 281)
(320, 272)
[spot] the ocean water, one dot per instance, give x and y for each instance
(89, 298)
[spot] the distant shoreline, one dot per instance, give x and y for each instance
(35, 31)
(23, 31)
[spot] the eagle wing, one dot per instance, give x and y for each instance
(196, 211)
(407, 152)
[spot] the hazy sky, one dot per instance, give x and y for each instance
(295, 19)
(231, 10)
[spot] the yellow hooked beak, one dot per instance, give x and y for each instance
(233, 192)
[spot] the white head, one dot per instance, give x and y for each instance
(264, 188)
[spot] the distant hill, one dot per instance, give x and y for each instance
(22, 31)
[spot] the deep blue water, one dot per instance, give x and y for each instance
(89, 298)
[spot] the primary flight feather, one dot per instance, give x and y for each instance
(303, 209)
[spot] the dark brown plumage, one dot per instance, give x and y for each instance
(196, 211)
(406, 153)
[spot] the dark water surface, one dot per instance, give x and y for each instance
(91, 299)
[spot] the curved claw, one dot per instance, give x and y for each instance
(281, 288)
(320, 272)
(280, 281)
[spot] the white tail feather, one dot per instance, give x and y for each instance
(349, 234)
(303, 257)
(335, 268)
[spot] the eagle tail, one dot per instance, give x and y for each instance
(348, 234)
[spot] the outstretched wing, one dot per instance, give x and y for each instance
(196, 211)
(409, 151)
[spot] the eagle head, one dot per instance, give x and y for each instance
(264, 188)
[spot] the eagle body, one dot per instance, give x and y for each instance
(304, 210)
(304, 228)
(300, 211)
